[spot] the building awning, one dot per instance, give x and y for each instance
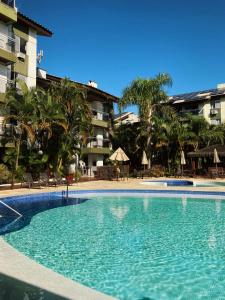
(41, 30)
(208, 151)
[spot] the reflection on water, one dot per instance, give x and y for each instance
(218, 207)
(119, 212)
(184, 203)
(212, 239)
(146, 203)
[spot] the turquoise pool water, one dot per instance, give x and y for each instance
(138, 247)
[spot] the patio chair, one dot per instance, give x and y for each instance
(124, 172)
(57, 179)
(213, 172)
(28, 179)
(44, 179)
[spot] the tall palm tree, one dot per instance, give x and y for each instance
(150, 96)
(73, 102)
(20, 110)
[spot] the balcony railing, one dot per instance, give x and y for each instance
(94, 142)
(195, 112)
(214, 111)
(4, 84)
(7, 43)
(6, 131)
(100, 115)
(11, 3)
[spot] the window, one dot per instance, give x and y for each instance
(215, 104)
(23, 45)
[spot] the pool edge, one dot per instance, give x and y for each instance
(16, 265)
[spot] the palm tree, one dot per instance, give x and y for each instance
(150, 96)
(73, 102)
(20, 110)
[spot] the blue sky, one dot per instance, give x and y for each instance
(115, 41)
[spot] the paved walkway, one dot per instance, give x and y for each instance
(125, 184)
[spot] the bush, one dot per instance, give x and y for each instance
(19, 173)
(77, 176)
(4, 173)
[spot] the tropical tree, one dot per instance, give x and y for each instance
(72, 98)
(20, 112)
(150, 96)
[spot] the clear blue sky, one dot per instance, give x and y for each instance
(115, 41)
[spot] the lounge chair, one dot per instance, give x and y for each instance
(28, 179)
(44, 179)
(57, 179)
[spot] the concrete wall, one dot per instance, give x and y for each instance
(3, 77)
(222, 102)
(98, 158)
(32, 58)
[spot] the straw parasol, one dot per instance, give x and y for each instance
(119, 155)
(216, 159)
(144, 159)
(182, 161)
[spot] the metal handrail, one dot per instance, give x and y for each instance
(12, 209)
(7, 42)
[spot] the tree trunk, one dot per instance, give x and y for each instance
(148, 144)
(16, 164)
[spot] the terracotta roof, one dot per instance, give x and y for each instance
(50, 78)
(93, 89)
(41, 30)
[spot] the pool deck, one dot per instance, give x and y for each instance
(16, 266)
(130, 184)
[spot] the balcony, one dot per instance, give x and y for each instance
(97, 146)
(7, 49)
(100, 115)
(8, 10)
(194, 112)
(100, 118)
(4, 84)
(214, 111)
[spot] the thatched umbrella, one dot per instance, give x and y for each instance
(182, 161)
(119, 155)
(216, 159)
(144, 160)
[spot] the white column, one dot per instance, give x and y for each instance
(31, 50)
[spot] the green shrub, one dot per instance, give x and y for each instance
(4, 173)
(77, 176)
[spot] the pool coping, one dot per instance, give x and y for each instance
(16, 265)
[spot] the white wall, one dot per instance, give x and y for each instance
(3, 78)
(206, 111)
(98, 158)
(31, 50)
(222, 110)
(4, 32)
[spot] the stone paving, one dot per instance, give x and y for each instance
(124, 184)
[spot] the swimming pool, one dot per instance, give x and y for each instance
(134, 245)
(186, 183)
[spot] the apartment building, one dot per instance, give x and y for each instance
(18, 60)
(208, 103)
(18, 48)
(97, 144)
(126, 118)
